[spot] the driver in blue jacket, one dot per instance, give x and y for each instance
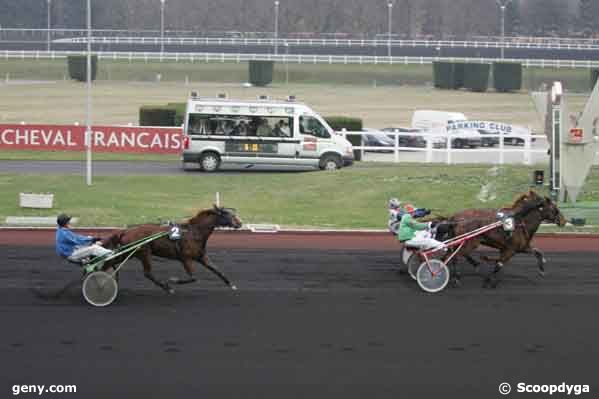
(76, 247)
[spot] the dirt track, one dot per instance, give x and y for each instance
(305, 323)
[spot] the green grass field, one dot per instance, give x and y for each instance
(63, 102)
(350, 198)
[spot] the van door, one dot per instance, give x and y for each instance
(315, 137)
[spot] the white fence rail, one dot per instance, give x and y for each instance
(321, 42)
(288, 58)
(432, 152)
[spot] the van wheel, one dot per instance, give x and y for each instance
(209, 162)
(330, 162)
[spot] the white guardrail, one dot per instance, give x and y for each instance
(287, 58)
(320, 42)
(433, 146)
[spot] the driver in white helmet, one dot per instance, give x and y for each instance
(395, 214)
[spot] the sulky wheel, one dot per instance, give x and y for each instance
(413, 264)
(432, 276)
(100, 288)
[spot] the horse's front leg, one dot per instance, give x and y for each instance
(204, 260)
(189, 269)
(540, 259)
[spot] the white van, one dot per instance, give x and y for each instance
(436, 122)
(220, 131)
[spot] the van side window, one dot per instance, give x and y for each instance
(312, 126)
(240, 125)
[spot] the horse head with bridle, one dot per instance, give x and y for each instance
(527, 212)
(187, 246)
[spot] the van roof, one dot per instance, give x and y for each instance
(236, 106)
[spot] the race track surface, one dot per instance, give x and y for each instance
(305, 323)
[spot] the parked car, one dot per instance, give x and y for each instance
(415, 140)
(488, 141)
(376, 138)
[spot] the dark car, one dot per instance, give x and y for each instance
(374, 138)
(415, 140)
(488, 141)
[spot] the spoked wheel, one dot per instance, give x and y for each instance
(404, 257)
(432, 276)
(100, 288)
(413, 263)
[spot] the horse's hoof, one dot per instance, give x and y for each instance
(456, 283)
(234, 288)
(541, 273)
(170, 290)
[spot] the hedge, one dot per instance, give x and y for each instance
(77, 66)
(156, 115)
(507, 76)
(443, 75)
(180, 109)
(594, 77)
(448, 75)
(344, 122)
(339, 123)
(476, 76)
(261, 72)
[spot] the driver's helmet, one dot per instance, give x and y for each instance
(394, 203)
(409, 208)
(63, 219)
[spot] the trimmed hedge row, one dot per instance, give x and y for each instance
(475, 76)
(261, 72)
(507, 76)
(77, 66)
(156, 115)
(344, 122)
(338, 123)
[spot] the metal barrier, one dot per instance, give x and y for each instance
(321, 42)
(439, 144)
(288, 58)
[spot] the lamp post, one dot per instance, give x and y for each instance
(88, 123)
(49, 2)
(276, 26)
(390, 16)
(502, 6)
(162, 26)
(287, 63)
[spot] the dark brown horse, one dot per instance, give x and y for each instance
(188, 249)
(528, 212)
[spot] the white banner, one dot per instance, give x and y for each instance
(488, 127)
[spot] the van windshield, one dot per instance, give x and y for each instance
(239, 125)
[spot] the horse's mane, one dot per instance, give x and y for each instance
(200, 215)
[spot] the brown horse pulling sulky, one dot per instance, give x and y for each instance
(190, 247)
(528, 212)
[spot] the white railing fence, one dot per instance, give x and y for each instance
(322, 42)
(288, 58)
(439, 144)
